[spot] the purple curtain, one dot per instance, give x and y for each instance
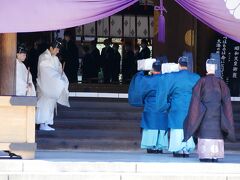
(221, 15)
(44, 15)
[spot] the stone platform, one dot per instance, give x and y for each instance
(137, 165)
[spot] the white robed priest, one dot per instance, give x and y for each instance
(24, 84)
(52, 86)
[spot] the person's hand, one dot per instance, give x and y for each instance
(29, 85)
(29, 88)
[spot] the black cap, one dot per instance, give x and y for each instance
(21, 48)
(57, 43)
(67, 33)
(211, 61)
(157, 65)
(183, 61)
(107, 41)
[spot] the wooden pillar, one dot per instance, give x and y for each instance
(8, 63)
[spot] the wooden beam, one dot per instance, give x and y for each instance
(8, 43)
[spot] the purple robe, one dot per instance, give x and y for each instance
(210, 114)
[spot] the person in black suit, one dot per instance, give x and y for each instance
(116, 63)
(107, 56)
(69, 53)
(145, 52)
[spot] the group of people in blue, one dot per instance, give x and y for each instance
(181, 109)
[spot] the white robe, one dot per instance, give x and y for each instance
(22, 80)
(52, 87)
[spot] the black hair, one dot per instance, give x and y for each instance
(21, 48)
(183, 61)
(144, 41)
(57, 43)
(137, 47)
(157, 65)
(67, 33)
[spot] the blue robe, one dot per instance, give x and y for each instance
(142, 92)
(175, 95)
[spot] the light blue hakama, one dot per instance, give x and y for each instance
(154, 139)
(176, 144)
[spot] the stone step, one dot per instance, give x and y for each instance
(104, 144)
(80, 101)
(118, 101)
(105, 115)
(233, 146)
(99, 104)
(103, 124)
(96, 124)
(100, 115)
(101, 108)
(75, 165)
(121, 104)
(87, 134)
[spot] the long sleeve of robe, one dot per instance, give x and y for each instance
(23, 78)
(135, 91)
(162, 102)
(142, 92)
(210, 113)
(227, 123)
(196, 112)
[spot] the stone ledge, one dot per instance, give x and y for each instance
(64, 176)
(47, 166)
(173, 177)
(114, 176)
(209, 168)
